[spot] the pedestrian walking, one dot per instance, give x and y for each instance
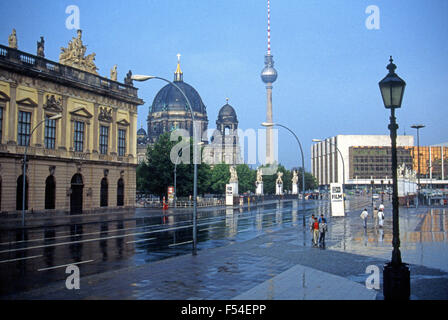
(311, 223)
(380, 218)
(322, 231)
(375, 216)
(315, 232)
(364, 216)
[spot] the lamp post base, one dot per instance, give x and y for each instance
(396, 282)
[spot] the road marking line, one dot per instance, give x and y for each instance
(178, 244)
(142, 240)
(11, 260)
(65, 265)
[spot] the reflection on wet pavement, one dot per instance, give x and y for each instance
(135, 240)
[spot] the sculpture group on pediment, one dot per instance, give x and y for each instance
(53, 104)
(74, 55)
(105, 115)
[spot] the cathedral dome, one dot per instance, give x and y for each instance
(170, 99)
(141, 132)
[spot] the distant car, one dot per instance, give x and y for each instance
(375, 196)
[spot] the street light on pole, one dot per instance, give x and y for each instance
(396, 274)
(343, 166)
(271, 124)
(55, 117)
(195, 179)
(418, 127)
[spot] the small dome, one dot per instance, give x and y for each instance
(227, 113)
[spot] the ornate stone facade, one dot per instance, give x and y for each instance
(83, 161)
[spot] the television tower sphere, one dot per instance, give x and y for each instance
(268, 74)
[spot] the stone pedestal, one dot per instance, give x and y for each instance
(279, 189)
(295, 188)
(259, 191)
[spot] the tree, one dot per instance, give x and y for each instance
(246, 178)
(158, 173)
(220, 176)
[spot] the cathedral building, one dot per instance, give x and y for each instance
(77, 129)
(169, 111)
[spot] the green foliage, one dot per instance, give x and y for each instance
(246, 178)
(157, 173)
(220, 176)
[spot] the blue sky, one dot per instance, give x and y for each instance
(329, 63)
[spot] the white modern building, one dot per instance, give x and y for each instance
(336, 159)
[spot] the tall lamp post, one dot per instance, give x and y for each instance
(343, 165)
(396, 274)
(55, 117)
(195, 179)
(270, 124)
(418, 127)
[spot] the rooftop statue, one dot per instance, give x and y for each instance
(40, 47)
(12, 39)
(113, 73)
(73, 55)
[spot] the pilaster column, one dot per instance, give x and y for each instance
(95, 128)
(12, 136)
(64, 127)
(113, 150)
(132, 133)
(40, 116)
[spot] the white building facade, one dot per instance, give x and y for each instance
(331, 161)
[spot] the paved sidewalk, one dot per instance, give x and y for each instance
(304, 283)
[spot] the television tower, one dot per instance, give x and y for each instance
(268, 76)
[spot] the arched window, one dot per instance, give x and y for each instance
(19, 193)
(120, 192)
(104, 192)
(50, 193)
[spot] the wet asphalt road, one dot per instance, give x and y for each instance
(111, 244)
(119, 241)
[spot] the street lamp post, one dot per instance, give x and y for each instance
(396, 274)
(343, 166)
(418, 127)
(270, 124)
(55, 117)
(195, 178)
(175, 177)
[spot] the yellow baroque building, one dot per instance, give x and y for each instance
(84, 161)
